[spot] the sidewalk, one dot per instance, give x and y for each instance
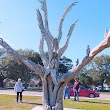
(37, 93)
(27, 93)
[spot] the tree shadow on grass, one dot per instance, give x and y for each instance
(32, 103)
(96, 102)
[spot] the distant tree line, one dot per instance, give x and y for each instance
(97, 72)
(10, 68)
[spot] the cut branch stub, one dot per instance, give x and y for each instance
(1, 40)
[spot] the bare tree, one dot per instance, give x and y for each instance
(53, 83)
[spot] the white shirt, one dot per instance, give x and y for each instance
(18, 87)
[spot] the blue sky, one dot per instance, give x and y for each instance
(19, 26)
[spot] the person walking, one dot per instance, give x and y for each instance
(18, 89)
(66, 92)
(76, 89)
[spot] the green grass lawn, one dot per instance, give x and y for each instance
(8, 102)
(88, 104)
(105, 93)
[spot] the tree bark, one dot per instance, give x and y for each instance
(102, 84)
(1, 82)
(52, 95)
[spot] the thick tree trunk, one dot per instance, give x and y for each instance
(102, 84)
(26, 83)
(52, 95)
(1, 82)
(26, 80)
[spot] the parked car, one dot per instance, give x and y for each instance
(84, 92)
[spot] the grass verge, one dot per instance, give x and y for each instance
(8, 102)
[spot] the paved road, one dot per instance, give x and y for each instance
(28, 93)
(36, 93)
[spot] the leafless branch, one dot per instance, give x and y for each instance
(62, 19)
(33, 66)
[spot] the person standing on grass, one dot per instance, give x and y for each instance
(67, 92)
(18, 89)
(76, 89)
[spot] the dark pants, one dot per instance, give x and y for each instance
(17, 97)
